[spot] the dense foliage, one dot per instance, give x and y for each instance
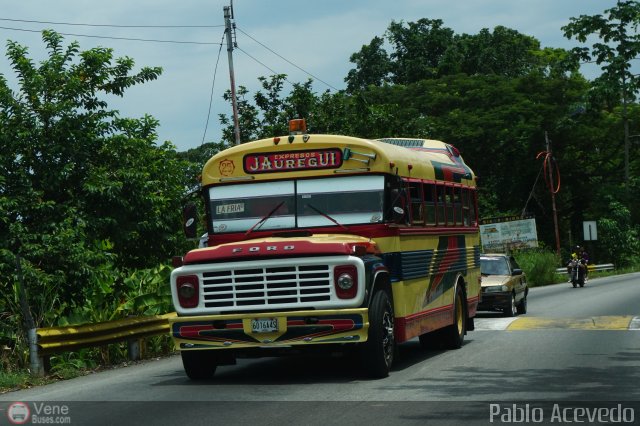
(90, 202)
(85, 194)
(497, 96)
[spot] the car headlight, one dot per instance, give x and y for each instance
(495, 288)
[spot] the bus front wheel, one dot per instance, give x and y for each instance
(199, 365)
(378, 352)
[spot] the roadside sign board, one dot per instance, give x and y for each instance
(507, 233)
(590, 230)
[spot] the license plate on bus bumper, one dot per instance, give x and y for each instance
(264, 325)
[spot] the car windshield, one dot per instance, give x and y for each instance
(297, 203)
(494, 266)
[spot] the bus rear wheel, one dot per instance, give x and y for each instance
(452, 336)
(379, 350)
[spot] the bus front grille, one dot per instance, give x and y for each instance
(267, 286)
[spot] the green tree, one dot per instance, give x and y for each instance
(248, 119)
(504, 52)
(270, 101)
(619, 45)
(418, 48)
(84, 192)
(373, 66)
(273, 109)
(493, 95)
(619, 236)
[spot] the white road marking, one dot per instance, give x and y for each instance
(493, 323)
(635, 324)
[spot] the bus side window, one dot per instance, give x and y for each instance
(457, 205)
(417, 207)
(450, 207)
(474, 207)
(430, 203)
(441, 205)
(466, 207)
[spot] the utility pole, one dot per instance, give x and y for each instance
(35, 362)
(625, 123)
(229, 31)
(553, 192)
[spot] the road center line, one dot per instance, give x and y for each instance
(620, 322)
(592, 323)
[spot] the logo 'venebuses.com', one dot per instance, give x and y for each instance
(18, 413)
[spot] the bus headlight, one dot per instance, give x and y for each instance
(346, 281)
(187, 290)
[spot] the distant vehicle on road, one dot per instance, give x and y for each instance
(504, 285)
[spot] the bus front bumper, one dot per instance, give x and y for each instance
(272, 329)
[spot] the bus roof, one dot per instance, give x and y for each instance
(321, 155)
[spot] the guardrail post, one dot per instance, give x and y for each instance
(133, 350)
(35, 360)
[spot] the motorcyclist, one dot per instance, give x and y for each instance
(578, 257)
(574, 258)
(584, 259)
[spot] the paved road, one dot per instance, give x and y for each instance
(573, 345)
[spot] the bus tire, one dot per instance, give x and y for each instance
(199, 365)
(378, 351)
(452, 336)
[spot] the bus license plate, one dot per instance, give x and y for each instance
(264, 325)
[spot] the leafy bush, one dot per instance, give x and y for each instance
(539, 265)
(618, 237)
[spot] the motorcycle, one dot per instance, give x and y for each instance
(577, 272)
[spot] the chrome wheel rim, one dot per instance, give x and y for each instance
(387, 336)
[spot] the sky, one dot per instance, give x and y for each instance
(303, 39)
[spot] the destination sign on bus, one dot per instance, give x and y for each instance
(290, 161)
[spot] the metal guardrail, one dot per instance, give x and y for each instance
(597, 268)
(53, 340)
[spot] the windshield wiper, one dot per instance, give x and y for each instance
(327, 216)
(263, 220)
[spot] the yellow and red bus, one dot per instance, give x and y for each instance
(326, 241)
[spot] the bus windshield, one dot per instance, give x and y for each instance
(292, 204)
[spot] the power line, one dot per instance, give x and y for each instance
(285, 59)
(117, 38)
(273, 71)
(110, 25)
(213, 84)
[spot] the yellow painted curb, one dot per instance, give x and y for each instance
(593, 323)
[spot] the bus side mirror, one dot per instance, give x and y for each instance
(397, 215)
(398, 206)
(190, 220)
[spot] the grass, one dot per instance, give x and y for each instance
(78, 363)
(16, 380)
(22, 379)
